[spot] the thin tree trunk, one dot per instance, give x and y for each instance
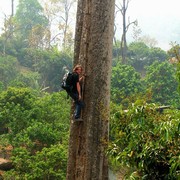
(12, 8)
(93, 49)
(123, 40)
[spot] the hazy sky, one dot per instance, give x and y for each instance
(159, 19)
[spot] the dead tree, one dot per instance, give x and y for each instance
(123, 9)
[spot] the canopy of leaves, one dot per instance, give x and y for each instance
(38, 126)
(140, 55)
(161, 80)
(125, 83)
(29, 15)
(8, 69)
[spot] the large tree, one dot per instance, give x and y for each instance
(93, 49)
(31, 23)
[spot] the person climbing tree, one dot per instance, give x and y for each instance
(76, 91)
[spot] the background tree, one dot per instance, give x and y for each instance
(7, 35)
(60, 15)
(140, 55)
(149, 41)
(26, 78)
(8, 70)
(123, 9)
(50, 66)
(64, 24)
(30, 23)
(12, 7)
(93, 49)
(126, 84)
(174, 54)
(8, 29)
(162, 82)
(136, 33)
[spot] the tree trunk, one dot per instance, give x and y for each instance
(12, 8)
(123, 40)
(93, 50)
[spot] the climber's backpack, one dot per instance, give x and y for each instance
(67, 83)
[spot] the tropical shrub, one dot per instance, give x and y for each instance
(50, 163)
(146, 139)
(38, 133)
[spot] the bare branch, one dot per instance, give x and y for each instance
(129, 24)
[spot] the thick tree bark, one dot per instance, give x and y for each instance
(93, 50)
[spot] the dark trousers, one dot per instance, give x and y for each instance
(79, 104)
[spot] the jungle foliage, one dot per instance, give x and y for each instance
(145, 138)
(38, 126)
(34, 112)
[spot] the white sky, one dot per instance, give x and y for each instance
(5, 7)
(160, 19)
(5, 10)
(152, 8)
